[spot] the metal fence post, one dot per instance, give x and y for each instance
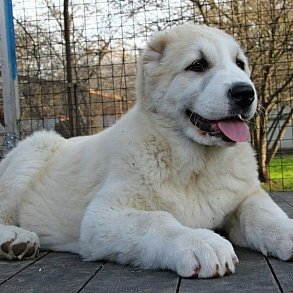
(9, 73)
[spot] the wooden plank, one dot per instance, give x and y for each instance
(252, 275)
(275, 196)
(117, 278)
(284, 273)
(56, 272)
(286, 196)
(8, 268)
(285, 201)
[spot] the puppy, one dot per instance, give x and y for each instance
(150, 190)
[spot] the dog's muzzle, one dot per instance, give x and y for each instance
(233, 127)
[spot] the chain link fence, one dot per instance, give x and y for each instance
(77, 62)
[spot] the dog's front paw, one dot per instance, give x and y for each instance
(204, 254)
(278, 240)
(17, 243)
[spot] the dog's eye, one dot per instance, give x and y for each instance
(198, 65)
(240, 64)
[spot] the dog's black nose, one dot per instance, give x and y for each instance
(242, 94)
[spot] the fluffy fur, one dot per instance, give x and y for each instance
(149, 190)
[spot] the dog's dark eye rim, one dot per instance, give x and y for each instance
(199, 65)
(240, 64)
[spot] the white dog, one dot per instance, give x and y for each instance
(149, 190)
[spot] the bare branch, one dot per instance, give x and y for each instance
(200, 6)
(36, 55)
(274, 97)
(54, 12)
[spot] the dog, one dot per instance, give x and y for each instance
(150, 190)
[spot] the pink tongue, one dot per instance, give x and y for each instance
(236, 130)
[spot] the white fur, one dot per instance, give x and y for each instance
(149, 190)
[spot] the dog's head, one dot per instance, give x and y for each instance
(195, 79)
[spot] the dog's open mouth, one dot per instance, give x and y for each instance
(232, 129)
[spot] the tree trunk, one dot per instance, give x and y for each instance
(263, 167)
(260, 144)
(70, 86)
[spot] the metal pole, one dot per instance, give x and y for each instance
(9, 73)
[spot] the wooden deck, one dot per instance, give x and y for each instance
(62, 272)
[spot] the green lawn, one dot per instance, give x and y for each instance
(281, 174)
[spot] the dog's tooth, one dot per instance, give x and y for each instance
(240, 117)
(245, 119)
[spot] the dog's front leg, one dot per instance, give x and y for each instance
(153, 240)
(261, 225)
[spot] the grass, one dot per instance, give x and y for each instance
(281, 174)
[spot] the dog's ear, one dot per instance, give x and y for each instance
(155, 48)
(149, 61)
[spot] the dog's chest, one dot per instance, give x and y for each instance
(199, 204)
